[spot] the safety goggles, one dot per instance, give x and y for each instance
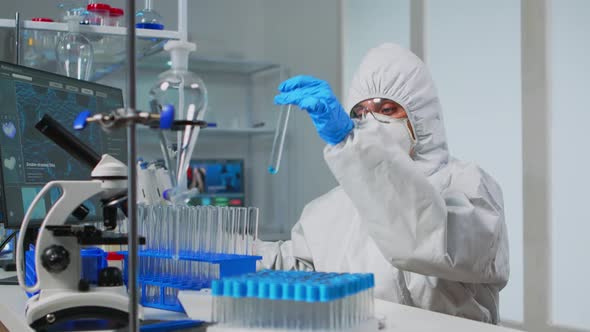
(377, 106)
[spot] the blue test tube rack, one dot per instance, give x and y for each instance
(295, 300)
(159, 288)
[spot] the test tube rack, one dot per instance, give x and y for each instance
(294, 300)
(159, 287)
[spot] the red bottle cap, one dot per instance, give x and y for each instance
(98, 7)
(114, 256)
(41, 19)
(116, 12)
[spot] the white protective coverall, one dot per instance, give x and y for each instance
(431, 228)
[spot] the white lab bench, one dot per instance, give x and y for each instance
(397, 317)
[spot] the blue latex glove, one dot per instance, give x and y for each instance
(316, 97)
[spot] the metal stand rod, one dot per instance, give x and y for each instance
(17, 38)
(132, 174)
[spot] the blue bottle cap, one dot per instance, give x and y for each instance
(300, 292)
(239, 288)
(370, 280)
(263, 289)
(312, 293)
(340, 290)
(276, 291)
(288, 291)
(351, 284)
(355, 284)
(363, 283)
(216, 288)
(227, 287)
(252, 288)
(325, 294)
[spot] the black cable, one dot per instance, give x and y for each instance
(7, 240)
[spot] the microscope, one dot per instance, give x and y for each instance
(64, 299)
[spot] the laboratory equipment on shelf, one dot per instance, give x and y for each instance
(278, 143)
(74, 52)
(99, 13)
(294, 300)
(148, 18)
(42, 39)
(37, 43)
(187, 92)
(72, 8)
(64, 298)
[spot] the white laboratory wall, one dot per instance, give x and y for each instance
(365, 27)
(570, 70)
(305, 36)
(474, 55)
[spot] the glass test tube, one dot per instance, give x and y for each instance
(279, 139)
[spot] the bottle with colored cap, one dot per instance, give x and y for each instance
(116, 17)
(98, 13)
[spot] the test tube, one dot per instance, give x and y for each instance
(243, 228)
(253, 214)
(279, 139)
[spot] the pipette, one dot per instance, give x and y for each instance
(279, 139)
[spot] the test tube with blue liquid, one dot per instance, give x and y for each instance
(279, 139)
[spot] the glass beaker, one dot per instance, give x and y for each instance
(74, 52)
(148, 18)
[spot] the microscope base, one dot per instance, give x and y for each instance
(63, 310)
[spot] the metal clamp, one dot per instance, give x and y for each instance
(121, 117)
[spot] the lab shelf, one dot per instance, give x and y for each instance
(102, 30)
(106, 59)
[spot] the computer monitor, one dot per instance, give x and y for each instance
(29, 159)
(220, 182)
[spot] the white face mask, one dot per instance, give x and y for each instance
(397, 131)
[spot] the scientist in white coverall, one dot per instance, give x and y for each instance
(430, 227)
